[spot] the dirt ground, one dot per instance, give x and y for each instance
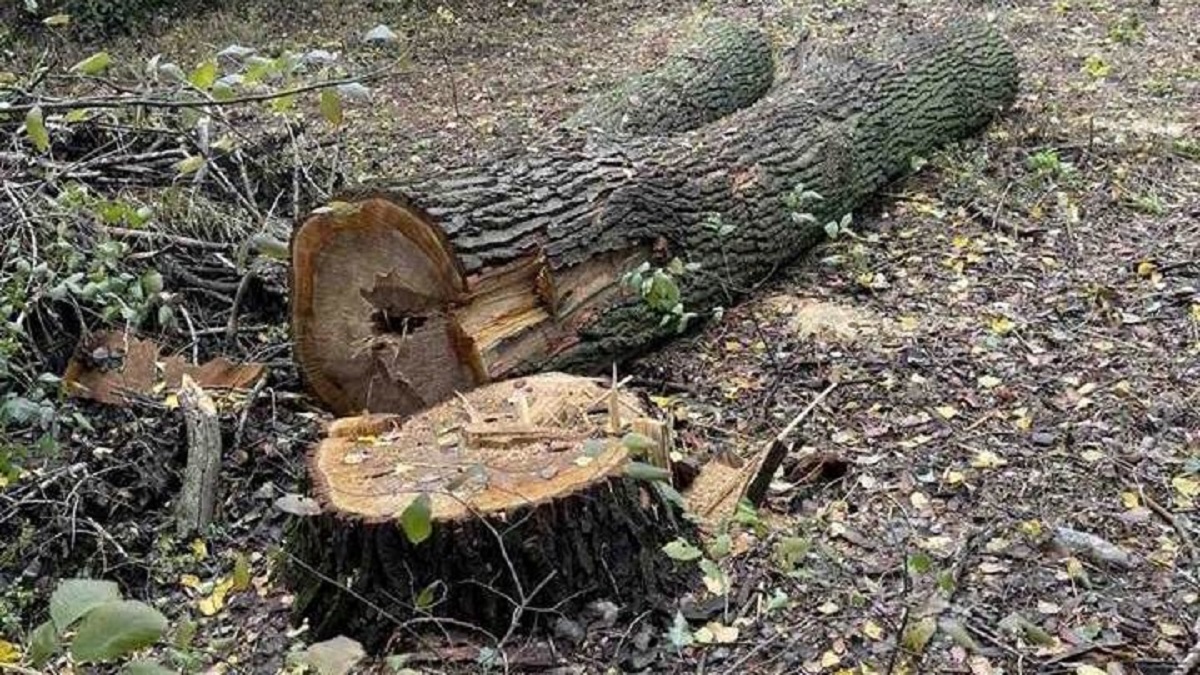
(1014, 330)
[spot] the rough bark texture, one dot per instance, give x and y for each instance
(726, 68)
(198, 496)
(421, 290)
(530, 507)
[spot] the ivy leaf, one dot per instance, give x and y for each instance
(679, 634)
(681, 550)
(43, 644)
(93, 65)
(715, 579)
(35, 126)
(331, 106)
(116, 629)
(204, 75)
(417, 519)
(74, 598)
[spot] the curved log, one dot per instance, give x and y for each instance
(726, 67)
(404, 295)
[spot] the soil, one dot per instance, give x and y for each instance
(1014, 332)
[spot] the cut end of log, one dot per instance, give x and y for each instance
(372, 285)
(510, 444)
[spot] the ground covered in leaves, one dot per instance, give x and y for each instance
(1005, 477)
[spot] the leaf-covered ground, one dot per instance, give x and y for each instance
(1015, 334)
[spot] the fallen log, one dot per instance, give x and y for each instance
(402, 296)
(532, 500)
(726, 67)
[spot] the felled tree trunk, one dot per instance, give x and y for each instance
(534, 502)
(404, 295)
(725, 68)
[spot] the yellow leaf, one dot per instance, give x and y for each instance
(954, 477)
(1196, 312)
(1188, 487)
(872, 630)
(1085, 669)
(1130, 500)
(216, 601)
(1001, 325)
(189, 581)
(9, 652)
(829, 659)
(1146, 269)
(171, 402)
(947, 412)
(910, 323)
(1092, 455)
(199, 549)
(986, 459)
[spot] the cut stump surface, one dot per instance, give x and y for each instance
(530, 506)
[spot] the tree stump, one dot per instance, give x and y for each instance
(529, 508)
(403, 295)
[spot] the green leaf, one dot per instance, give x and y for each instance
(918, 635)
(919, 563)
(75, 597)
(43, 644)
(152, 282)
(646, 472)
(93, 65)
(789, 552)
(331, 106)
(679, 634)
(222, 91)
(116, 629)
(417, 519)
(714, 578)
(76, 115)
(333, 657)
(719, 547)
(35, 126)
(681, 550)
(204, 75)
(426, 597)
(282, 104)
(146, 667)
(638, 444)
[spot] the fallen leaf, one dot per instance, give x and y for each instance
(989, 381)
(986, 459)
(872, 630)
(946, 412)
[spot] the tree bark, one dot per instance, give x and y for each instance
(530, 507)
(404, 295)
(198, 496)
(725, 68)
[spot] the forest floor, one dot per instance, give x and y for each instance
(1015, 333)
